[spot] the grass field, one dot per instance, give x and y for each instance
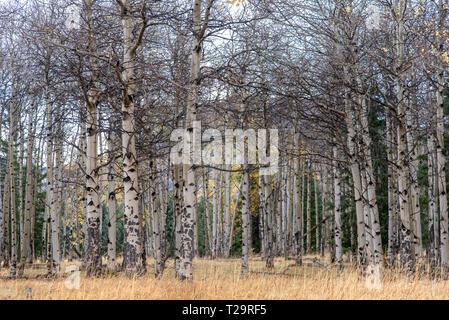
(221, 279)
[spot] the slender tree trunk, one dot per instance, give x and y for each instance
(323, 211)
(369, 242)
(432, 209)
(6, 220)
(156, 215)
(112, 204)
(12, 185)
(20, 206)
(178, 200)
(83, 165)
(440, 158)
(215, 210)
(392, 193)
(309, 206)
(245, 217)
(206, 215)
(39, 164)
(268, 194)
(285, 195)
(55, 212)
(317, 217)
(278, 221)
(227, 211)
(414, 189)
(298, 168)
(93, 209)
(3, 236)
(337, 210)
(262, 218)
(29, 199)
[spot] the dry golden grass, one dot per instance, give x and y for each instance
(220, 279)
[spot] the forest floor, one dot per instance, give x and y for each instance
(221, 279)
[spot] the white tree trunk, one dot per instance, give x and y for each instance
(337, 211)
(298, 168)
(392, 194)
(29, 199)
(112, 204)
(432, 209)
(402, 164)
(12, 183)
(133, 247)
(414, 189)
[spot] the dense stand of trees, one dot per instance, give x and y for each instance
(91, 93)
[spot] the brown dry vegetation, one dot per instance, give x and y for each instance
(220, 279)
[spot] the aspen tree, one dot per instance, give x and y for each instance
(112, 204)
(93, 208)
(414, 189)
(432, 209)
(371, 183)
(199, 29)
(440, 158)
(392, 193)
(317, 217)
(55, 213)
(309, 206)
(227, 210)
(12, 182)
(206, 223)
(337, 211)
(29, 199)
(298, 166)
(402, 110)
(133, 246)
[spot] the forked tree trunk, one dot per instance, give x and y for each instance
(371, 184)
